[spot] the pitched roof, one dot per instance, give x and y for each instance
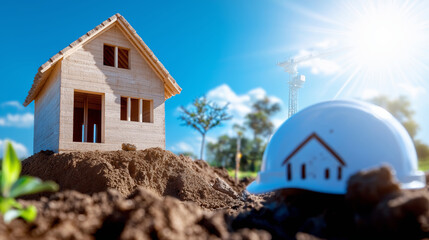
(170, 85)
(326, 146)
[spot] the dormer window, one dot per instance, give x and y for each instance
(115, 56)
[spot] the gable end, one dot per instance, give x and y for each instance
(170, 85)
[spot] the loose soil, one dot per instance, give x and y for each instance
(154, 194)
(155, 169)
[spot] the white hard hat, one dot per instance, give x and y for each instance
(320, 147)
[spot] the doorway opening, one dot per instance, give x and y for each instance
(87, 111)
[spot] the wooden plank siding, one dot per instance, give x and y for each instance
(84, 71)
(47, 114)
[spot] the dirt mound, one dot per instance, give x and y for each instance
(109, 215)
(373, 208)
(161, 171)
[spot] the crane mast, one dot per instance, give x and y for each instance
(296, 81)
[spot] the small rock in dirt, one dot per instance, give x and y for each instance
(223, 187)
(128, 147)
(245, 195)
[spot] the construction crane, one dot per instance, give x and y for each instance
(296, 81)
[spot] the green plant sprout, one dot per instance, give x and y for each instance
(13, 186)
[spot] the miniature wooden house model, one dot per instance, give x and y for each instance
(104, 89)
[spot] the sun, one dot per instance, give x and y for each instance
(382, 37)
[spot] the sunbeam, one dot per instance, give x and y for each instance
(380, 45)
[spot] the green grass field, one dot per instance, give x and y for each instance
(231, 173)
(424, 164)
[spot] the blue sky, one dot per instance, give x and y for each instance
(225, 49)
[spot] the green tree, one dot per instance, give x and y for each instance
(259, 121)
(222, 152)
(218, 153)
(203, 115)
(422, 150)
(401, 109)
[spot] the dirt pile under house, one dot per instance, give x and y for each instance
(158, 170)
(154, 194)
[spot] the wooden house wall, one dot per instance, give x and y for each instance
(84, 71)
(47, 113)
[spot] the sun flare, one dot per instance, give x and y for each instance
(379, 46)
(382, 37)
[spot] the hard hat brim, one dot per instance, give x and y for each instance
(416, 181)
(258, 188)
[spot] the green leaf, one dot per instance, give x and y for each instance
(29, 185)
(6, 204)
(29, 213)
(11, 168)
(10, 215)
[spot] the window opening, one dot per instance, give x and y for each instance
(86, 116)
(147, 111)
(134, 110)
(303, 171)
(109, 56)
(116, 56)
(123, 108)
(339, 173)
(122, 58)
(140, 110)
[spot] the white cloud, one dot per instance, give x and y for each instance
(17, 120)
(239, 105)
(317, 58)
(20, 148)
(277, 121)
(317, 65)
(181, 147)
(14, 104)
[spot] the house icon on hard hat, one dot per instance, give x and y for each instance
(314, 160)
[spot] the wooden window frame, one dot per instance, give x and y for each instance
(116, 56)
(140, 109)
(102, 120)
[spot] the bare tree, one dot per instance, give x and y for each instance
(203, 115)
